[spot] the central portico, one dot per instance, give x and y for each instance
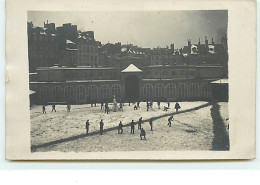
(131, 82)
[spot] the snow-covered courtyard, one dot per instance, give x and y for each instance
(192, 129)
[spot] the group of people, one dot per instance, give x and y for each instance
(132, 126)
(54, 108)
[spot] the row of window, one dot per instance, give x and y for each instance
(166, 72)
(88, 57)
(87, 49)
(80, 93)
(104, 92)
(44, 38)
(193, 90)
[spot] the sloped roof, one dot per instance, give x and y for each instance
(131, 68)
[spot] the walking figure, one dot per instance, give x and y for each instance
(170, 121)
(135, 107)
(102, 105)
(142, 134)
(158, 103)
(132, 127)
(101, 127)
(120, 128)
(106, 108)
(151, 123)
(87, 126)
(121, 106)
(53, 108)
(140, 123)
(177, 106)
(138, 104)
(168, 104)
(68, 108)
(147, 105)
(43, 109)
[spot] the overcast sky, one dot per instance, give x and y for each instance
(146, 28)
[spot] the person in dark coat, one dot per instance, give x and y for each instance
(68, 108)
(158, 103)
(168, 104)
(132, 127)
(177, 106)
(101, 127)
(53, 108)
(151, 123)
(102, 105)
(43, 109)
(140, 123)
(120, 128)
(87, 126)
(121, 106)
(170, 121)
(135, 107)
(147, 105)
(142, 134)
(138, 104)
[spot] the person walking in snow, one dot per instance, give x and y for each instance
(168, 104)
(132, 127)
(53, 108)
(43, 109)
(102, 105)
(68, 108)
(101, 124)
(158, 103)
(140, 123)
(170, 121)
(151, 123)
(87, 126)
(120, 128)
(177, 106)
(142, 134)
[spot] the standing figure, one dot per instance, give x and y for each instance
(170, 121)
(68, 108)
(158, 103)
(138, 104)
(53, 108)
(140, 123)
(120, 128)
(177, 106)
(151, 123)
(87, 126)
(121, 106)
(43, 109)
(102, 105)
(168, 104)
(132, 127)
(142, 134)
(147, 105)
(101, 124)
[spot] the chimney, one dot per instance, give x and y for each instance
(199, 46)
(189, 46)
(206, 44)
(212, 41)
(172, 48)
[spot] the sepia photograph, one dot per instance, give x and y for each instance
(121, 81)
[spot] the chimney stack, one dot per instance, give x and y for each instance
(206, 44)
(189, 46)
(212, 41)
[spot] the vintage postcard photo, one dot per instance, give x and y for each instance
(144, 90)
(128, 81)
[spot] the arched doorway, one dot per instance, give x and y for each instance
(132, 87)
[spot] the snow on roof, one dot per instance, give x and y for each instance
(131, 68)
(32, 92)
(69, 42)
(220, 81)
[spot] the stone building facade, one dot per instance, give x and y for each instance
(158, 83)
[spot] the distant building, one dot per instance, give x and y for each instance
(87, 50)
(42, 47)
